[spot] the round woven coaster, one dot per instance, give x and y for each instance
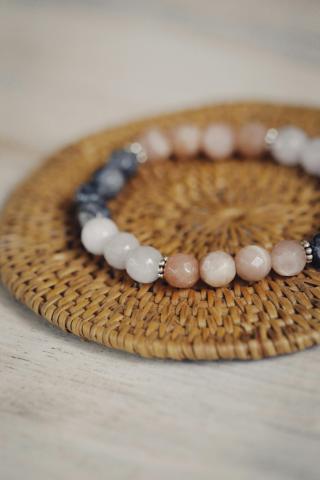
(188, 206)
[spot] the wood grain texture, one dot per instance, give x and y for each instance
(70, 409)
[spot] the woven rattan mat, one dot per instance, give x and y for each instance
(189, 206)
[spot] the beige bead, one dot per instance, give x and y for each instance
(251, 139)
(186, 140)
(288, 258)
(253, 263)
(181, 270)
(218, 141)
(156, 144)
(217, 269)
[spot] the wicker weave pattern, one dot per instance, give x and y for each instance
(190, 206)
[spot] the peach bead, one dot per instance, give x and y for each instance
(253, 263)
(181, 270)
(288, 258)
(251, 139)
(156, 144)
(186, 140)
(218, 141)
(217, 269)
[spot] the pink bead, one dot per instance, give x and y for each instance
(186, 140)
(253, 263)
(181, 270)
(251, 139)
(217, 269)
(288, 258)
(156, 144)
(218, 141)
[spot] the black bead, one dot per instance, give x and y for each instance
(315, 245)
(126, 161)
(88, 193)
(87, 211)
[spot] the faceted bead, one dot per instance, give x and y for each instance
(288, 258)
(251, 139)
(217, 269)
(315, 245)
(288, 145)
(88, 193)
(310, 157)
(253, 263)
(181, 270)
(218, 141)
(186, 140)
(109, 181)
(118, 247)
(142, 264)
(87, 211)
(95, 234)
(125, 161)
(156, 144)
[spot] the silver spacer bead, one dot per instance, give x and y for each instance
(270, 137)
(307, 248)
(161, 267)
(138, 150)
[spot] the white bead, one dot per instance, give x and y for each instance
(142, 264)
(288, 145)
(118, 247)
(95, 233)
(310, 157)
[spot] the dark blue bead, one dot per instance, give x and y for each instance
(315, 245)
(109, 181)
(126, 161)
(87, 211)
(88, 192)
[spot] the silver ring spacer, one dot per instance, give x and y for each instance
(162, 266)
(138, 150)
(308, 250)
(270, 137)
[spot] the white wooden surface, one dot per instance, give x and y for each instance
(73, 410)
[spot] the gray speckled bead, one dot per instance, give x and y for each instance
(125, 161)
(87, 193)
(109, 181)
(87, 211)
(315, 245)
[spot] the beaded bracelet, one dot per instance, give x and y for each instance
(289, 146)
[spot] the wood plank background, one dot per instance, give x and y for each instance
(73, 410)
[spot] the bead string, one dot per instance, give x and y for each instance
(100, 236)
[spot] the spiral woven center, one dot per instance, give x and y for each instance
(196, 206)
